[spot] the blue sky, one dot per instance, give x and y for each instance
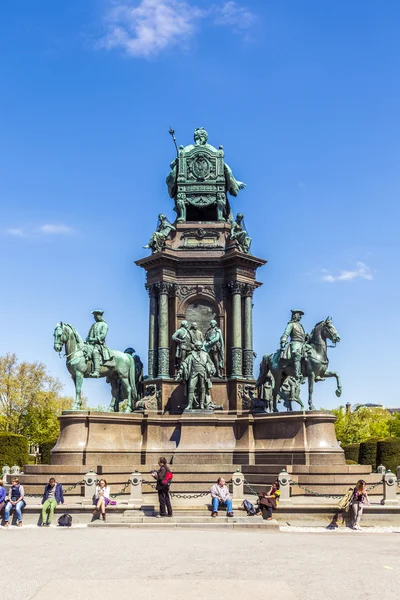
(304, 96)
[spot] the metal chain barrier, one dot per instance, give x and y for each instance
(252, 490)
(122, 491)
(334, 496)
(176, 495)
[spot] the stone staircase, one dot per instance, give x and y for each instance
(196, 479)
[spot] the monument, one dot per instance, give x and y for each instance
(200, 401)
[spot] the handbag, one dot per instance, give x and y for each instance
(345, 501)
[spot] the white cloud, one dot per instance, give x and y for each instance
(56, 229)
(231, 13)
(146, 28)
(361, 271)
(17, 232)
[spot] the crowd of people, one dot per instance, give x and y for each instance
(354, 501)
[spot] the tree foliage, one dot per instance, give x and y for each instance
(30, 400)
(363, 424)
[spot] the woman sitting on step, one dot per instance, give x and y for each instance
(358, 501)
(102, 498)
(269, 502)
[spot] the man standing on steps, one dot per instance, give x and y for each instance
(96, 340)
(294, 350)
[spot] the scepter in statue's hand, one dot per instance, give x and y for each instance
(172, 132)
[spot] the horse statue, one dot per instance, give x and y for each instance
(314, 364)
(120, 372)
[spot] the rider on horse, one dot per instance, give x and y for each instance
(298, 337)
(99, 352)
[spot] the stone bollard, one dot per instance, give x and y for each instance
(284, 481)
(15, 470)
(5, 474)
(381, 469)
(389, 489)
(90, 480)
(238, 486)
(136, 495)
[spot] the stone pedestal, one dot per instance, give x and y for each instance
(201, 275)
(223, 437)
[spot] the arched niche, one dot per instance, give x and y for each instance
(201, 310)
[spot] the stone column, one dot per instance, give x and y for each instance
(236, 291)
(248, 357)
(163, 331)
(153, 319)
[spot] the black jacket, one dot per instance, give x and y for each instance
(160, 478)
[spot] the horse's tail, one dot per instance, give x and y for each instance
(132, 379)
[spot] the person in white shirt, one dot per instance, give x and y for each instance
(102, 498)
(221, 497)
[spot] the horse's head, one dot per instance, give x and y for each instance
(329, 332)
(60, 336)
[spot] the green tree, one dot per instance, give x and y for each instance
(362, 424)
(30, 400)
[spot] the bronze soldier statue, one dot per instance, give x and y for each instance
(196, 370)
(183, 343)
(96, 338)
(214, 345)
(294, 350)
(195, 334)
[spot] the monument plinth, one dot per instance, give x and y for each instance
(94, 438)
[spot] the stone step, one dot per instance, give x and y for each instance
(171, 523)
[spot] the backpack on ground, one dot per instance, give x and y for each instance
(249, 508)
(168, 478)
(65, 521)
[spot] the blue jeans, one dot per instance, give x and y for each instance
(217, 503)
(18, 509)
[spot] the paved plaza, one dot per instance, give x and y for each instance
(82, 563)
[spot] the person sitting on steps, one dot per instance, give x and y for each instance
(269, 502)
(102, 498)
(358, 501)
(15, 501)
(221, 497)
(52, 495)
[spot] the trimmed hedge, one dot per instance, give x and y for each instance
(351, 452)
(45, 452)
(351, 462)
(367, 454)
(388, 453)
(13, 449)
